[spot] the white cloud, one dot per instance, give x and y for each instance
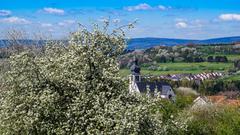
(161, 7)
(181, 25)
(66, 22)
(145, 6)
(61, 24)
(14, 20)
(142, 6)
(46, 25)
(230, 17)
(51, 30)
(191, 24)
(54, 11)
(5, 12)
(116, 20)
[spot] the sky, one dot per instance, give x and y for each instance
(186, 19)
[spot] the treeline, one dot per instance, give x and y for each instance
(165, 54)
(217, 59)
(164, 59)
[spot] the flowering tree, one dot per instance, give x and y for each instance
(76, 89)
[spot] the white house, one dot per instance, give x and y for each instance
(200, 102)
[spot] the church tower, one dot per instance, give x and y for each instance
(135, 71)
(135, 76)
(137, 85)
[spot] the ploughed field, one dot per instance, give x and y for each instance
(181, 68)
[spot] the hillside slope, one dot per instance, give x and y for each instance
(142, 43)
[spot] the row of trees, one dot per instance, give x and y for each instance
(217, 59)
(164, 54)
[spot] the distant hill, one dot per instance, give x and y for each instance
(142, 43)
(4, 43)
(224, 40)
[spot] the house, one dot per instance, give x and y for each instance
(205, 101)
(236, 45)
(200, 102)
(141, 84)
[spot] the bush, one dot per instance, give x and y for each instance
(210, 59)
(214, 120)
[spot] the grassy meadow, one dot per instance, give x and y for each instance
(180, 68)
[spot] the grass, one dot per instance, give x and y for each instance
(180, 68)
(233, 57)
(234, 77)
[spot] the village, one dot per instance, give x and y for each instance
(128, 67)
(153, 84)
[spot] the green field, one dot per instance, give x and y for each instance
(179, 68)
(234, 77)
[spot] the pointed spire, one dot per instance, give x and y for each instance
(135, 69)
(135, 60)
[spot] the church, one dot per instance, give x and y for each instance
(139, 84)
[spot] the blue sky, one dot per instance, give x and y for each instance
(191, 19)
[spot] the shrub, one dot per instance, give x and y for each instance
(213, 120)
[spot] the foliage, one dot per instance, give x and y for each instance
(76, 89)
(214, 120)
(188, 54)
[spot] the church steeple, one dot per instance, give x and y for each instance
(135, 68)
(135, 71)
